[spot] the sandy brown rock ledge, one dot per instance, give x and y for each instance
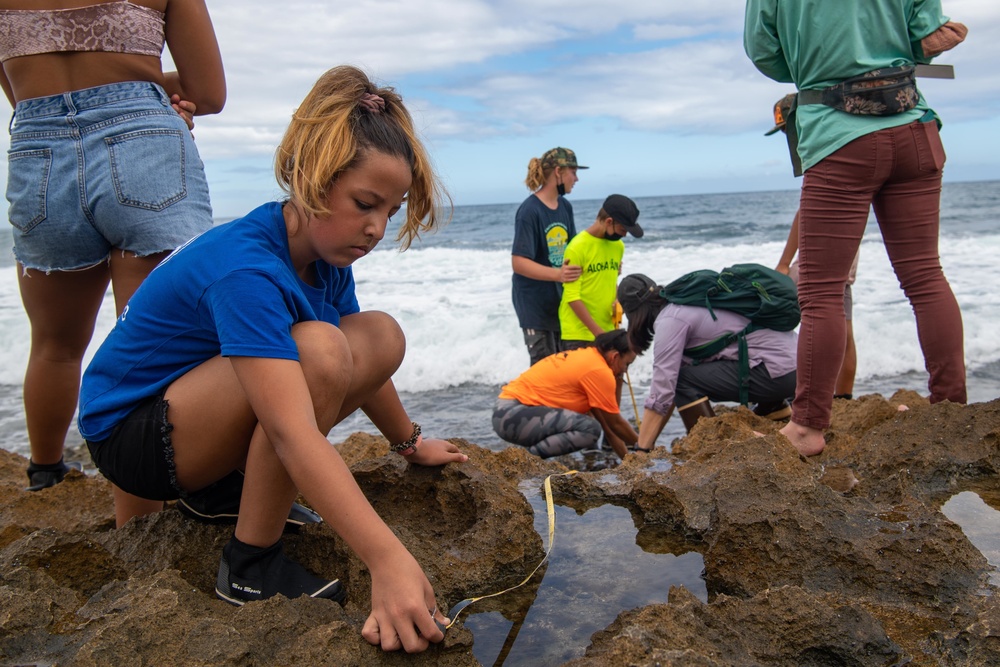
(844, 559)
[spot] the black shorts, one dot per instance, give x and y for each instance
(138, 456)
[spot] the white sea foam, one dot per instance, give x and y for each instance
(455, 306)
(451, 294)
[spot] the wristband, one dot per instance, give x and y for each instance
(409, 445)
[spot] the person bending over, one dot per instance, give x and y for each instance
(671, 329)
(564, 402)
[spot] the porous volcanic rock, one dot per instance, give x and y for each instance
(840, 559)
(804, 569)
(75, 591)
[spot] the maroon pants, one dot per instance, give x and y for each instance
(898, 172)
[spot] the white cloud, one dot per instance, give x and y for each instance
(274, 51)
(658, 90)
(393, 37)
(668, 31)
(487, 71)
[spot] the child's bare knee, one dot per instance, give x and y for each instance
(324, 352)
(389, 334)
(374, 333)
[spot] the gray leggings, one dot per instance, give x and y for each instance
(543, 430)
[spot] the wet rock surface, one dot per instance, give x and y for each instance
(841, 559)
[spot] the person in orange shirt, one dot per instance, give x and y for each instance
(562, 403)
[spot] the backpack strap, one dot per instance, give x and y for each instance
(701, 352)
(712, 347)
(744, 370)
(745, 363)
(708, 305)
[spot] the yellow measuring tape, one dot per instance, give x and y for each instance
(461, 606)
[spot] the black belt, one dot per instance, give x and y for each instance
(856, 86)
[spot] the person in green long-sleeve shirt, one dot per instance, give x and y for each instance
(859, 148)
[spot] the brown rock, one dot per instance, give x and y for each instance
(742, 631)
(844, 558)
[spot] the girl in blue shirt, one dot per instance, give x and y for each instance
(246, 346)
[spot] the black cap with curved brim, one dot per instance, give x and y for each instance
(623, 211)
(634, 289)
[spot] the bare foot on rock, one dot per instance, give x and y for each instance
(808, 441)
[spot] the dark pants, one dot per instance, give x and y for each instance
(720, 381)
(138, 456)
(541, 343)
(897, 171)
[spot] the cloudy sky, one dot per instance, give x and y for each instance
(657, 97)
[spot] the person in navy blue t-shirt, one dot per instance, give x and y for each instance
(543, 226)
(246, 346)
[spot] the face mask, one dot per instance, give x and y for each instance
(560, 189)
(614, 237)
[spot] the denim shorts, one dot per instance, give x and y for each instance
(107, 167)
(138, 456)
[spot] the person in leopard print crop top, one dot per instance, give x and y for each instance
(103, 180)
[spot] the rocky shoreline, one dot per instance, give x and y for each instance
(842, 559)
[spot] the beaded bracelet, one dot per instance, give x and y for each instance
(409, 445)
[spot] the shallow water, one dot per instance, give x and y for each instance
(979, 519)
(601, 564)
(582, 589)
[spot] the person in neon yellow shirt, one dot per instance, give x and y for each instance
(587, 306)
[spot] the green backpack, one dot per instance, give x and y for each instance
(769, 299)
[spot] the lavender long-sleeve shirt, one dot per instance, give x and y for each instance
(679, 327)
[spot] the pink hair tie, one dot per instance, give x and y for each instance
(372, 103)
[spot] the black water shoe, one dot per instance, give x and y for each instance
(248, 573)
(42, 476)
(220, 503)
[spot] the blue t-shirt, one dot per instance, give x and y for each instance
(541, 235)
(231, 291)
